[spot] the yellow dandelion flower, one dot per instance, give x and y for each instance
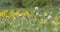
(12, 13)
(1, 14)
(17, 13)
(42, 22)
(4, 12)
(26, 13)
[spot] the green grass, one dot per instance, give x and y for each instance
(31, 23)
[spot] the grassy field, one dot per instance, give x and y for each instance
(30, 20)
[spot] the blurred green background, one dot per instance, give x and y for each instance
(29, 3)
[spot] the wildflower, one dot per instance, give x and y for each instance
(1, 14)
(26, 13)
(42, 22)
(36, 8)
(17, 13)
(49, 17)
(12, 13)
(4, 12)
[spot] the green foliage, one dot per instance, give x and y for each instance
(29, 3)
(40, 3)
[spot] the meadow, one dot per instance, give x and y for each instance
(30, 20)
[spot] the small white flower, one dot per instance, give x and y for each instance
(49, 16)
(36, 8)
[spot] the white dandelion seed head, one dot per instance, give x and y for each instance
(49, 16)
(36, 8)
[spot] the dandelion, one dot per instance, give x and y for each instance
(4, 12)
(17, 13)
(36, 8)
(12, 13)
(26, 13)
(1, 14)
(49, 17)
(42, 22)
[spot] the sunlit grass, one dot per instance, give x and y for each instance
(30, 20)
